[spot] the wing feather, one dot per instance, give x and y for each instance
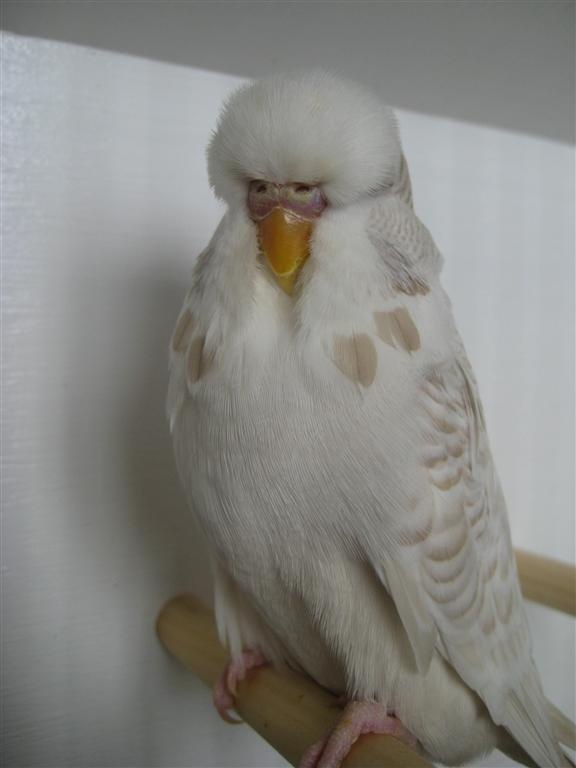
(469, 593)
(457, 586)
(407, 249)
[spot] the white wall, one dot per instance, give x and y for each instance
(105, 205)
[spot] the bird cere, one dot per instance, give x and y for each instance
(329, 434)
(284, 214)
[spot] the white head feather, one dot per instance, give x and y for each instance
(310, 127)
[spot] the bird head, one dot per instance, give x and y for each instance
(289, 148)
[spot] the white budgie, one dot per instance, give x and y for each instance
(329, 434)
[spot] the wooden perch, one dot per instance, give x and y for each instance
(547, 581)
(290, 711)
(285, 708)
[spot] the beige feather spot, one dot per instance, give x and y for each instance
(411, 285)
(397, 329)
(446, 478)
(447, 544)
(384, 328)
(198, 361)
(456, 447)
(434, 456)
(182, 332)
(356, 357)
(407, 329)
(447, 420)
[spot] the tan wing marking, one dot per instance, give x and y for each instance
(356, 357)
(446, 478)
(397, 329)
(413, 286)
(467, 565)
(199, 361)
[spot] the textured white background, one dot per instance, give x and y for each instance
(105, 205)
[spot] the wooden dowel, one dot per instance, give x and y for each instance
(547, 581)
(285, 708)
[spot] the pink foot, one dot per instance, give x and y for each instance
(359, 717)
(224, 693)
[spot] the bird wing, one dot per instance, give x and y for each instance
(404, 243)
(457, 589)
(455, 584)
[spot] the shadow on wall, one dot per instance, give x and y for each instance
(507, 64)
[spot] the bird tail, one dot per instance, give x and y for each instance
(535, 726)
(564, 728)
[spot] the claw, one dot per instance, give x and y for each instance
(311, 757)
(225, 690)
(224, 702)
(232, 681)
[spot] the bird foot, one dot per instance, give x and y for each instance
(224, 693)
(359, 717)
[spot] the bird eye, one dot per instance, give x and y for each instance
(260, 187)
(302, 188)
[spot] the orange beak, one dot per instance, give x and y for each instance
(284, 240)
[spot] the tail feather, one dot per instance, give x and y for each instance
(564, 728)
(530, 721)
